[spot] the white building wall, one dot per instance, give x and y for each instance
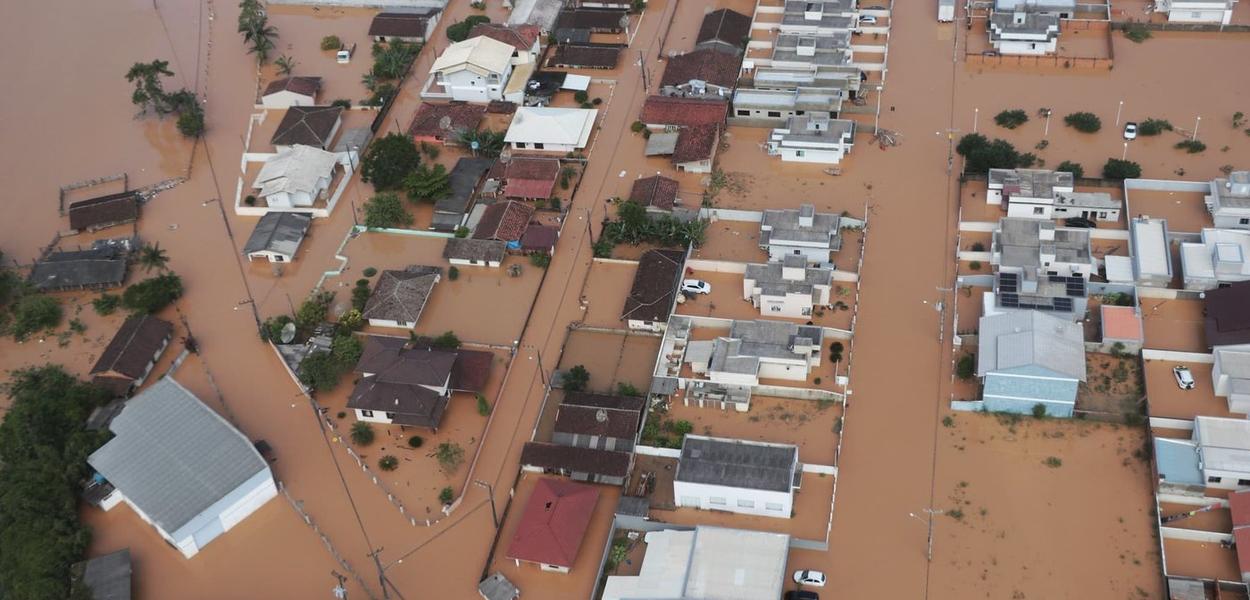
(1199, 12)
(1228, 480)
(469, 263)
(1024, 208)
(737, 500)
(732, 378)
(470, 87)
(831, 156)
(286, 99)
(373, 416)
(778, 252)
(389, 323)
(790, 305)
(561, 148)
(222, 515)
(1025, 47)
(793, 371)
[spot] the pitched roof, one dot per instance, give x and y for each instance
(1239, 508)
(481, 55)
(304, 86)
(278, 232)
(400, 24)
(471, 249)
(716, 68)
(726, 26)
(99, 267)
(505, 221)
(656, 191)
(391, 361)
(539, 237)
(463, 180)
(407, 404)
(547, 125)
(602, 19)
(1226, 319)
(296, 169)
(607, 463)
(651, 297)
(122, 207)
(443, 120)
(737, 463)
(595, 56)
(173, 457)
(133, 346)
(471, 371)
(1017, 340)
(696, 143)
(616, 401)
(526, 177)
(554, 522)
(107, 576)
(521, 37)
(669, 110)
(307, 125)
(598, 421)
(401, 295)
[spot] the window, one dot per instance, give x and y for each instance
(1102, 214)
(775, 308)
(742, 112)
(1243, 482)
(279, 258)
(366, 413)
(774, 113)
(473, 261)
(773, 506)
(716, 501)
(538, 145)
(1214, 479)
(1038, 210)
(1244, 222)
(798, 153)
(390, 416)
(746, 504)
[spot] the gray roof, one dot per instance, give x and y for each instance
(497, 587)
(1101, 200)
(1021, 339)
(738, 463)
(471, 249)
(1034, 183)
(173, 457)
(825, 41)
(463, 180)
(1232, 193)
(781, 226)
(401, 295)
(771, 280)
(355, 139)
(278, 232)
(99, 267)
(1019, 240)
(633, 506)
(1022, 23)
(107, 576)
(749, 341)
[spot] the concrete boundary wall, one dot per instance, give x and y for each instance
(1165, 185)
(716, 266)
(616, 261)
(1167, 423)
(1194, 535)
(365, 3)
(1190, 500)
(661, 452)
(1168, 293)
(820, 469)
(985, 226)
(977, 256)
(730, 214)
(1172, 355)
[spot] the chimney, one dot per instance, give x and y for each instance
(807, 212)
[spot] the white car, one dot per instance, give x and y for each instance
(696, 286)
(1184, 379)
(867, 20)
(812, 578)
(1130, 131)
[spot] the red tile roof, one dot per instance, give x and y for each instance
(554, 523)
(306, 86)
(716, 68)
(656, 191)
(521, 37)
(1239, 507)
(1241, 539)
(1121, 323)
(505, 221)
(530, 177)
(667, 110)
(429, 122)
(696, 143)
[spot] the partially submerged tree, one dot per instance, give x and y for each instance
(149, 91)
(151, 295)
(151, 256)
(389, 160)
(459, 32)
(386, 210)
(981, 155)
(1121, 169)
(256, 30)
(489, 143)
(428, 184)
(576, 379)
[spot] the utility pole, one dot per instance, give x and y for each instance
(339, 591)
(642, 70)
(377, 562)
(930, 512)
(490, 490)
(950, 148)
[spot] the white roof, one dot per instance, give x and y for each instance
(709, 563)
(1119, 269)
(1150, 247)
(1234, 360)
(1020, 339)
(481, 54)
(573, 82)
(1223, 444)
(296, 169)
(1230, 247)
(546, 125)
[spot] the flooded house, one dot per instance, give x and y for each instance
(181, 467)
(598, 421)
(474, 70)
(657, 194)
(1040, 267)
(789, 288)
(1029, 358)
(654, 290)
(443, 123)
(1225, 318)
(812, 139)
(668, 113)
(1152, 255)
(98, 268)
(1220, 257)
(609, 467)
(464, 180)
(106, 577)
(737, 476)
(414, 25)
(547, 129)
(701, 73)
(399, 297)
(526, 40)
(525, 178)
(1229, 201)
(597, 20)
(504, 221)
(817, 16)
(296, 177)
(724, 30)
(104, 211)
(1215, 457)
(277, 236)
(752, 351)
(313, 126)
(800, 232)
(1197, 11)
(1023, 31)
(1047, 195)
(586, 55)
(471, 252)
(412, 386)
(1230, 376)
(721, 563)
(291, 91)
(129, 357)
(553, 525)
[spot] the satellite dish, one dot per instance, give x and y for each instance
(474, 145)
(288, 333)
(444, 123)
(601, 416)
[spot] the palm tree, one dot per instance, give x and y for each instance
(152, 257)
(286, 65)
(369, 80)
(261, 35)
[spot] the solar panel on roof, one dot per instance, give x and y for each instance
(1064, 304)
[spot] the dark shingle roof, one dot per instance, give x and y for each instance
(539, 237)
(667, 110)
(471, 249)
(400, 24)
(726, 26)
(306, 86)
(307, 125)
(505, 221)
(716, 68)
(391, 361)
(571, 35)
(133, 346)
(280, 232)
(655, 282)
(463, 180)
(459, 116)
(96, 268)
(607, 463)
(411, 404)
(593, 56)
(106, 210)
(471, 371)
(597, 19)
(634, 403)
(401, 295)
(656, 191)
(587, 420)
(738, 464)
(1227, 318)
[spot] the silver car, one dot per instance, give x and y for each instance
(1184, 379)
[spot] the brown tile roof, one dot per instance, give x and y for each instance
(306, 86)
(471, 371)
(726, 26)
(471, 249)
(107, 210)
(1227, 316)
(521, 37)
(411, 404)
(460, 116)
(391, 361)
(667, 110)
(696, 143)
(400, 24)
(716, 68)
(591, 56)
(539, 238)
(128, 354)
(589, 420)
(528, 177)
(634, 403)
(505, 221)
(307, 125)
(656, 191)
(651, 297)
(582, 460)
(597, 19)
(401, 295)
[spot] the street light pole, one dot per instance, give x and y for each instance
(976, 116)
(1117, 113)
(1124, 155)
(1046, 131)
(1196, 125)
(929, 545)
(490, 490)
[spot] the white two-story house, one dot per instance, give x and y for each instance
(788, 288)
(475, 70)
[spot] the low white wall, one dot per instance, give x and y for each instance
(966, 405)
(662, 452)
(1194, 535)
(986, 226)
(1192, 357)
(1190, 500)
(731, 214)
(969, 255)
(716, 266)
(616, 261)
(1167, 293)
(1166, 423)
(1166, 185)
(820, 469)
(1108, 234)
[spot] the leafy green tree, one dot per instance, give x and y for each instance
(151, 256)
(389, 160)
(1011, 119)
(1084, 122)
(576, 379)
(386, 210)
(313, 310)
(483, 405)
(331, 42)
(981, 155)
(256, 30)
(286, 65)
(106, 304)
(625, 388)
(446, 341)
(391, 60)
(1121, 169)
(966, 368)
(149, 91)
(1075, 169)
(346, 350)
(446, 495)
(1154, 126)
(459, 32)
(319, 371)
(33, 313)
(360, 294)
(151, 295)
(428, 184)
(450, 456)
(191, 122)
(43, 450)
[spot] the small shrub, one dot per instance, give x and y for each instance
(250, 200)
(446, 495)
(415, 441)
(106, 304)
(450, 456)
(453, 273)
(554, 203)
(978, 247)
(1239, 119)
(1053, 462)
(462, 232)
(1137, 33)
(816, 381)
(948, 421)
(956, 514)
(975, 265)
(637, 126)
(1121, 169)
(540, 259)
(576, 378)
(362, 433)
(331, 42)
(1039, 411)
(587, 105)
(341, 414)
(483, 405)
(1075, 169)
(446, 341)
(625, 388)
(388, 463)
(1153, 127)
(966, 368)
(597, 101)
(1011, 119)
(580, 96)
(1191, 146)
(1084, 122)
(369, 272)
(342, 102)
